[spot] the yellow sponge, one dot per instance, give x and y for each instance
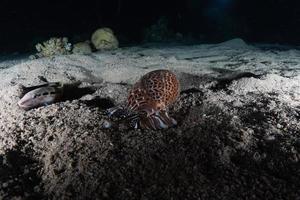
(104, 39)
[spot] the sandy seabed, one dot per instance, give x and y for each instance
(238, 133)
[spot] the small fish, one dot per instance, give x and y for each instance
(149, 99)
(41, 95)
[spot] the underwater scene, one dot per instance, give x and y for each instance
(150, 100)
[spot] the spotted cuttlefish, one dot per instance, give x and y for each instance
(148, 101)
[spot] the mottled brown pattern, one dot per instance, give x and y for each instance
(148, 101)
(151, 96)
(155, 91)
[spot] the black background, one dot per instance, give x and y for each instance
(24, 23)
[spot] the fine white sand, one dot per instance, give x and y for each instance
(199, 67)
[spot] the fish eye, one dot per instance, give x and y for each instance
(36, 95)
(45, 93)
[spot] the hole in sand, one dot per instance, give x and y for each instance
(72, 93)
(102, 103)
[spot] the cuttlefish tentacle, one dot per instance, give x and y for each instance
(117, 111)
(156, 121)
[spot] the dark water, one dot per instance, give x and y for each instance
(25, 23)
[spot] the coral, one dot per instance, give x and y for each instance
(82, 48)
(53, 46)
(104, 39)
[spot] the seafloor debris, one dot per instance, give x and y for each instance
(149, 99)
(107, 124)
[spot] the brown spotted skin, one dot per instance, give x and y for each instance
(148, 101)
(150, 98)
(155, 91)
